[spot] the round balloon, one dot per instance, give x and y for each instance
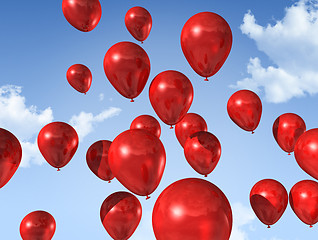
(148, 123)
(79, 77)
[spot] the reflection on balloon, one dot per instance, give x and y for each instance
(148, 123)
(79, 77)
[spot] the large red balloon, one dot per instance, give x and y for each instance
(206, 41)
(245, 109)
(269, 200)
(37, 225)
(79, 77)
(97, 159)
(127, 67)
(202, 151)
(192, 209)
(120, 214)
(58, 142)
(10, 156)
(148, 123)
(306, 152)
(190, 123)
(171, 95)
(84, 15)
(137, 159)
(303, 199)
(138, 22)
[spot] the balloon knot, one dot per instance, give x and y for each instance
(142, 42)
(206, 175)
(132, 100)
(58, 169)
(147, 197)
(289, 154)
(253, 132)
(171, 127)
(206, 79)
(109, 181)
(310, 226)
(84, 93)
(268, 226)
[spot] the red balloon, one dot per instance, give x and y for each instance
(171, 95)
(97, 160)
(206, 41)
(148, 123)
(137, 159)
(303, 199)
(190, 123)
(306, 152)
(245, 109)
(202, 151)
(58, 142)
(138, 22)
(10, 156)
(84, 15)
(120, 214)
(192, 209)
(269, 200)
(287, 128)
(127, 67)
(79, 77)
(37, 225)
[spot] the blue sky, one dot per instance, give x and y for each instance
(274, 52)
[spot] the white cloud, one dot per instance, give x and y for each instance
(101, 96)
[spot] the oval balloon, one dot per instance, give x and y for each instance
(269, 200)
(245, 109)
(189, 124)
(138, 22)
(120, 214)
(37, 225)
(303, 198)
(10, 156)
(97, 159)
(171, 95)
(84, 15)
(202, 151)
(137, 159)
(58, 142)
(127, 67)
(79, 77)
(148, 123)
(206, 41)
(192, 209)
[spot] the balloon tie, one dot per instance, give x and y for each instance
(206, 175)
(109, 181)
(84, 93)
(288, 153)
(268, 226)
(142, 42)
(132, 100)
(171, 127)
(147, 197)
(206, 79)
(253, 132)
(58, 169)
(310, 226)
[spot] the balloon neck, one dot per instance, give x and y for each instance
(84, 93)
(109, 181)
(268, 226)
(141, 42)
(289, 154)
(58, 169)
(132, 100)
(253, 132)
(206, 175)
(171, 127)
(147, 197)
(310, 226)
(206, 79)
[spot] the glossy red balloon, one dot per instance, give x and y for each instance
(10, 156)
(127, 67)
(202, 151)
(245, 109)
(138, 22)
(171, 95)
(303, 199)
(79, 77)
(269, 200)
(137, 159)
(148, 123)
(84, 15)
(97, 159)
(37, 225)
(192, 209)
(189, 124)
(206, 41)
(120, 214)
(58, 142)
(306, 152)
(287, 128)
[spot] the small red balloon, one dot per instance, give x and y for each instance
(245, 109)
(148, 123)
(269, 200)
(37, 225)
(120, 214)
(84, 15)
(79, 77)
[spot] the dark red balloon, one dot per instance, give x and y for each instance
(37, 225)
(120, 214)
(171, 95)
(189, 124)
(269, 200)
(138, 22)
(79, 77)
(127, 67)
(245, 109)
(137, 159)
(97, 159)
(303, 199)
(206, 41)
(202, 151)
(148, 123)
(192, 209)
(10, 156)
(58, 142)
(84, 15)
